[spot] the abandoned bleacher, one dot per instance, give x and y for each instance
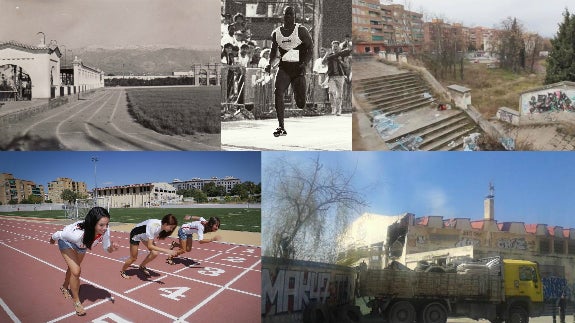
(406, 115)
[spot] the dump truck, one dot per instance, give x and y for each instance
(496, 289)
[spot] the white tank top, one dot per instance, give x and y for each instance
(287, 44)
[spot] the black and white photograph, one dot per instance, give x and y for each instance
(109, 75)
(286, 75)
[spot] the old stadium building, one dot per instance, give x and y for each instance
(36, 72)
(139, 195)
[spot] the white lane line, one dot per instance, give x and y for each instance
(91, 134)
(209, 298)
(58, 132)
(97, 285)
(8, 311)
(71, 107)
(146, 284)
(232, 248)
(74, 313)
(162, 272)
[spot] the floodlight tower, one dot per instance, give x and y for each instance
(95, 160)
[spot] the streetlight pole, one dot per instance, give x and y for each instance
(95, 160)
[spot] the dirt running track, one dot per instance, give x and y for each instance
(100, 121)
(226, 287)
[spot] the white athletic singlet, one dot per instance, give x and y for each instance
(288, 44)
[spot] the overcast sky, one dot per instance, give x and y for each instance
(110, 23)
(541, 17)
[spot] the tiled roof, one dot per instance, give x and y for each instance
(17, 45)
(503, 226)
(477, 224)
(531, 228)
(423, 221)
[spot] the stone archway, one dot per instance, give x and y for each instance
(15, 83)
(203, 77)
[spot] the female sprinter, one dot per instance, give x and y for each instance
(146, 232)
(199, 226)
(73, 241)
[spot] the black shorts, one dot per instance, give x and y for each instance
(135, 231)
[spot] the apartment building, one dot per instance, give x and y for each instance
(56, 187)
(197, 183)
(367, 26)
(14, 189)
(391, 28)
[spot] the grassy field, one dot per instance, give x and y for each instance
(177, 110)
(492, 89)
(236, 219)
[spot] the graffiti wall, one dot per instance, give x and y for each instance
(290, 288)
(512, 242)
(552, 99)
(553, 287)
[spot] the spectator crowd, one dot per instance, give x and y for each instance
(331, 70)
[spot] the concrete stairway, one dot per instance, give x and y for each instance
(445, 134)
(407, 93)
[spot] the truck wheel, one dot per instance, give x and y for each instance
(316, 314)
(401, 312)
(518, 315)
(434, 313)
(348, 314)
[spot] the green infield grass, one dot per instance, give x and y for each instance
(237, 219)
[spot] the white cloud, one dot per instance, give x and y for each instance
(435, 201)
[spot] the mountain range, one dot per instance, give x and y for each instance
(143, 60)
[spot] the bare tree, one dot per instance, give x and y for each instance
(533, 45)
(510, 45)
(306, 206)
(445, 50)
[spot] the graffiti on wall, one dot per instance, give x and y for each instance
(548, 100)
(505, 116)
(467, 242)
(420, 240)
(290, 291)
(516, 243)
(553, 287)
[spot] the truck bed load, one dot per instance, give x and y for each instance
(468, 284)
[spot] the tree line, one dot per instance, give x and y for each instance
(243, 192)
(167, 81)
(516, 50)
(164, 81)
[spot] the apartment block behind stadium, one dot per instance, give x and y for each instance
(197, 183)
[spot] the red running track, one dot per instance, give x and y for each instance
(225, 287)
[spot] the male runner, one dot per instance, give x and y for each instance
(293, 43)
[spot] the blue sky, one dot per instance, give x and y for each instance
(123, 168)
(530, 187)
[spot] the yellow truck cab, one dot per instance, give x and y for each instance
(522, 279)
